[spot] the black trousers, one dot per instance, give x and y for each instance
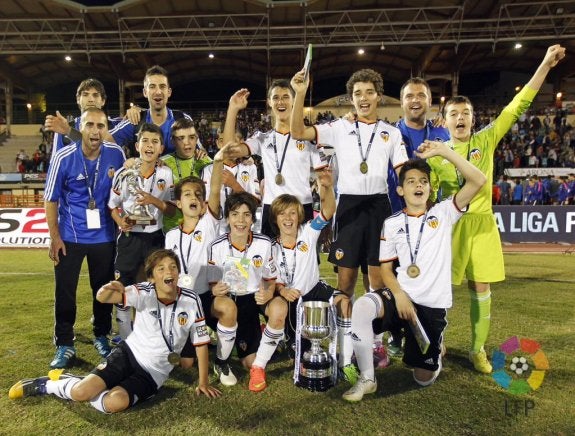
(67, 273)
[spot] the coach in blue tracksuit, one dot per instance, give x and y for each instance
(76, 197)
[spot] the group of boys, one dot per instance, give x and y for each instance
(369, 231)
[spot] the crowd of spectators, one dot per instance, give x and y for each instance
(549, 190)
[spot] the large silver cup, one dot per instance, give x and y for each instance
(315, 371)
(133, 181)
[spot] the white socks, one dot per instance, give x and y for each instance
(365, 310)
(226, 340)
(268, 344)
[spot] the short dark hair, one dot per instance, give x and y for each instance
(152, 128)
(457, 99)
(192, 180)
(181, 123)
(237, 199)
(415, 81)
(156, 70)
(281, 83)
(365, 75)
(413, 164)
(93, 109)
(156, 257)
(91, 83)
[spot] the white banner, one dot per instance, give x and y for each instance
(24, 227)
(526, 172)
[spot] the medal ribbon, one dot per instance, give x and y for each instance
(364, 159)
(411, 253)
(170, 343)
(280, 165)
(184, 266)
(289, 277)
(91, 186)
(247, 247)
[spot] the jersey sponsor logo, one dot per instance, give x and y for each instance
(80, 177)
(300, 145)
(302, 246)
(155, 314)
(198, 235)
(355, 337)
(384, 135)
(245, 176)
(433, 222)
(429, 361)
(161, 184)
(475, 154)
(401, 231)
(183, 318)
(202, 330)
(339, 254)
(257, 261)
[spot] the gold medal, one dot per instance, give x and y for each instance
(279, 179)
(174, 358)
(413, 271)
(363, 167)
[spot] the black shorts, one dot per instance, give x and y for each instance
(266, 225)
(132, 251)
(357, 231)
(433, 320)
(122, 369)
(249, 332)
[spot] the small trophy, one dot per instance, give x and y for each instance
(138, 214)
(316, 369)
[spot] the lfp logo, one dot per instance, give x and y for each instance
(519, 365)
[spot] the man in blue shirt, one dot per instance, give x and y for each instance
(76, 196)
(157, 90)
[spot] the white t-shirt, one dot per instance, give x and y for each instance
(432, 288)
(246, 175)
(160, 184)
(258, 252)
(300, 157)
(387, 146)
(303, 255)
(146, 340)
(192, 249)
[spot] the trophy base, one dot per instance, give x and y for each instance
(137, 220)
(315, 376)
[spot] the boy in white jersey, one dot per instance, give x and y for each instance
(190, 241)
(135, 242)
(243, 272)
(295, 251)
(420, 238)
(364, 148)
(286, 161)
(135, 370)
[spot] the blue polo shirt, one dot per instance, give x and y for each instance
(67, 184)
(412, 139)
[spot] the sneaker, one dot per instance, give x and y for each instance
(257, 379)
(225, 374)
(28, 388)
(358, 390)
(380, 357)
(102, 346)
(63, 357)
(480, 362)
(349, 373)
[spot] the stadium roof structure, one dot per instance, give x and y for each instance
(254, 41)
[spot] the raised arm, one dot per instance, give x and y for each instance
(297, 127)
(238, 101)
(112, 292)
(552, 57)
(326, 192)
(474, 178)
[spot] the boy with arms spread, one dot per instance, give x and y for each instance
(364, 148)
(476, 238)
(134, 241)
(248, 296)
(185, 161)
(286, 161)
(136, 369)
(419, 237)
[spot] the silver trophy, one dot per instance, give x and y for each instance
(316, 368)
(138, 214)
